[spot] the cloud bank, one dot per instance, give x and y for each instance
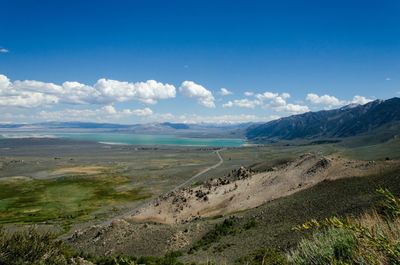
(32, 93)
(109, 100)
(268, 100)
(331, 101)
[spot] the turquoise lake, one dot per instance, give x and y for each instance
(130, 139)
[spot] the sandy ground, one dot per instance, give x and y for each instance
(248, 190)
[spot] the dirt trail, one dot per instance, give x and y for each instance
(221, 161)
(244, 189)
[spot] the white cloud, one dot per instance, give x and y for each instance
(109, 109)
(147, 92)
(4, 84)
(217, 119)
(278, 102)
(331, 101)
(285, 95)
(360, 100)
(3, 50)
(242, 103)
(28, 100)
(105, 91)
(267, 95)
(192, 90)
(292, 108)
(225, 92)
(138, 112)
(105, 114)
(248, 94)
(324, 100)
(269, 100)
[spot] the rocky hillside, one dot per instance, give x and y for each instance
(244, 189)
(348, 121)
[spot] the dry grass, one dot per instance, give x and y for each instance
(372, 238)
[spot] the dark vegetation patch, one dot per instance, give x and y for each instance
(268, 256)
(227, 227)
(170, 258)
(32, 247)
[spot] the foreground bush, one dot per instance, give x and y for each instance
(373, 238)
(265, 257)
(31, 247)
(169, 259)
(327, 247)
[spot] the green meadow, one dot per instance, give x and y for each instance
(63, 200)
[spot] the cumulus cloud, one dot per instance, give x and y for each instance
(242, 103)
(267, 95)
(360, 100)
(225, 92)
(292, 108)
(147, 92)
(331, 101)
(217, 119)
(278, 102)
(248, 94)
(138, 112)
(269, 100)
(104, 91)
(27, 100)
(5, 84)
(105, 113)
(3, 50)
(192, 90)
(324, 100)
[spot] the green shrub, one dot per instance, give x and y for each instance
(268, 256)
(250, 224)
(170, 258)
(331, 246)
(32, 247)
(390, 205)
(222, 229)
(373, 238)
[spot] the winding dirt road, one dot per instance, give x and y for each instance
(221, 161)
(186, 182)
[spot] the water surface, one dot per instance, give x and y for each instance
(130, 139)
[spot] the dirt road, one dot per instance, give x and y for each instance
(186, 182)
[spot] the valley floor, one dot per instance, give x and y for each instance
(141, 200)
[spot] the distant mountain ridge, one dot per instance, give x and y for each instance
(167, 128)
(347, 121)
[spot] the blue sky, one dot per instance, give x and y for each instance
(290, 56)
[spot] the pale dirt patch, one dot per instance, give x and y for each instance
(16, 178)
(88, 170)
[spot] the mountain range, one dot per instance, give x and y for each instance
(351, 120)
